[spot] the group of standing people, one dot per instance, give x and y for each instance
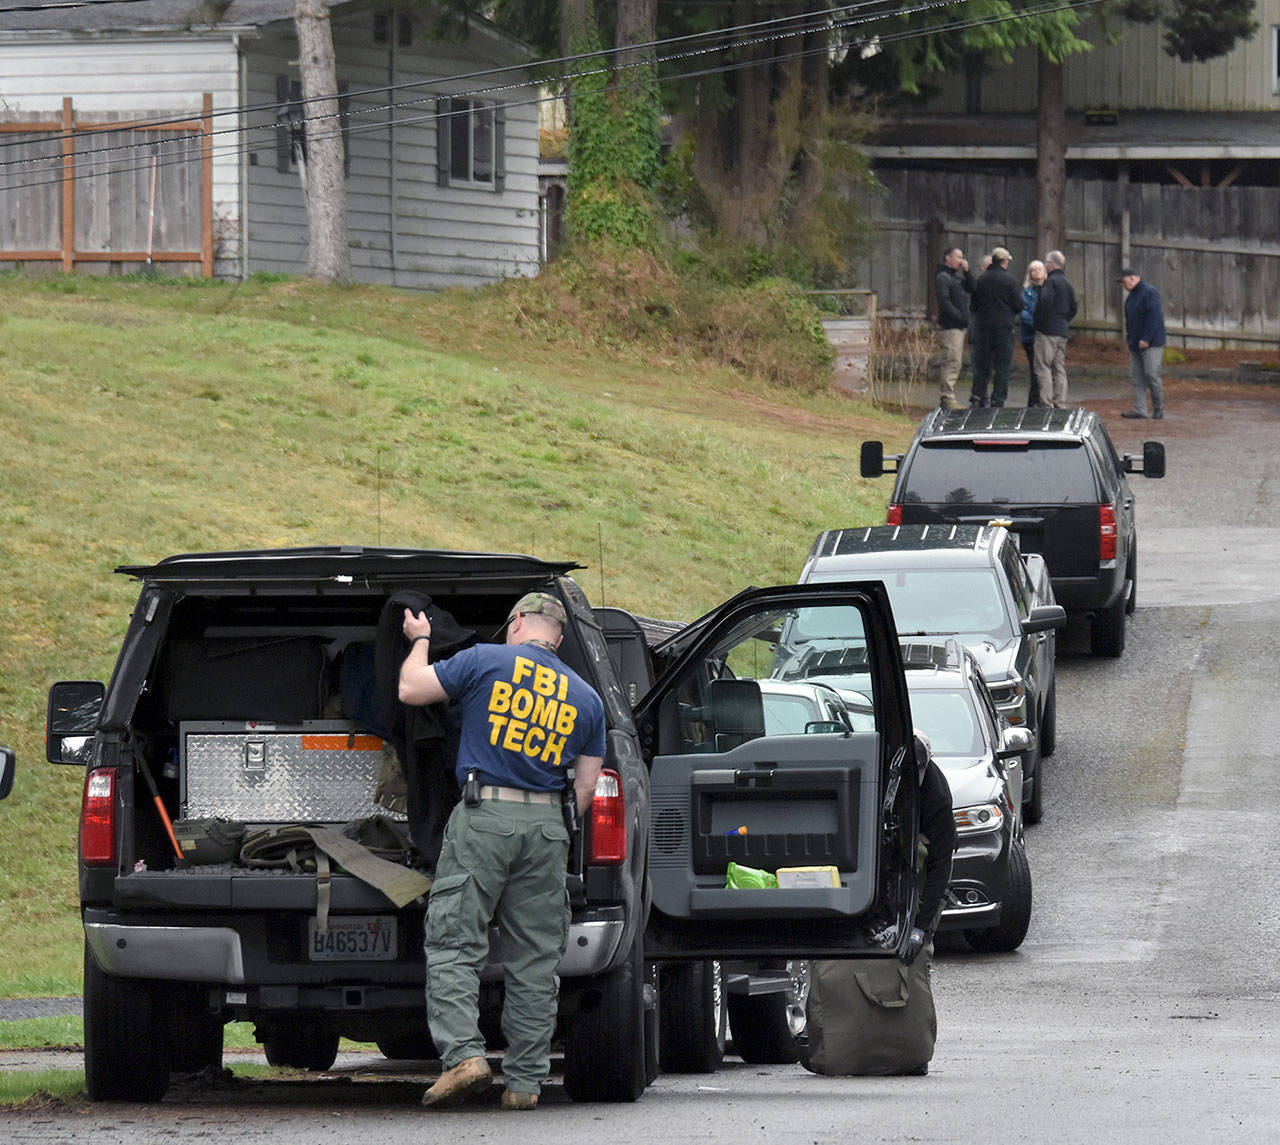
(987, 308)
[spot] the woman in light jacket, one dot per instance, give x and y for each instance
(1030, 296)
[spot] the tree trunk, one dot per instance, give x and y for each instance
(637, 24)
(1051, 160)
(329, 254)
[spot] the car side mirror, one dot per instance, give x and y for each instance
(1043, 617)
(824, 727)
(8, 763)
(871, 459)
(71, 720)
(1152, 459)
(1016, 741)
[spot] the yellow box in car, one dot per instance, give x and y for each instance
(808, 877)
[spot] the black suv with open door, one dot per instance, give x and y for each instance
(256, 690)
(1053, 477)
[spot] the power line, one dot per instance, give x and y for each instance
(154, 147)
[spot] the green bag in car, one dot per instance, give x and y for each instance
(204, 841)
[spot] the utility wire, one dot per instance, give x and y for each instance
(154, 146)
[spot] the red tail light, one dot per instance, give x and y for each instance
(1106, 532)
(608, 820)
(98, 818)
(894, 515)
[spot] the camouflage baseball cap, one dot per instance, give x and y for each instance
(539, 602)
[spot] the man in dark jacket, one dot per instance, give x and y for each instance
(954, 285)
(938, 833)
(997, 302)
(1144, 329)
(1052, 320)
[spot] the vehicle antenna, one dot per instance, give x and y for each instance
(378, 487)
(600, 536)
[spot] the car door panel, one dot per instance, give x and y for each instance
(724, 791)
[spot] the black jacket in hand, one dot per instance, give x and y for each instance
(938, 827)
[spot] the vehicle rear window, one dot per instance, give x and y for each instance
(1026, 473)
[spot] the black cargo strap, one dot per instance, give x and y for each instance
(309, 847)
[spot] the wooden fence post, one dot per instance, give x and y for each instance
(68, 188)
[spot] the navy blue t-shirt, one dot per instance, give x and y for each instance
(524, 715)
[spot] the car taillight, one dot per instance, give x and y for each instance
(98, 818)
(608, 820)
(1106, 532)
(894, 515)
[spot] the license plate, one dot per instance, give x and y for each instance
(371, 939)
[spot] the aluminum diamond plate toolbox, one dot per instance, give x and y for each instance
(321, 771)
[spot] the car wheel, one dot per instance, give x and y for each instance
(301, 1046)
(1033, 808)
(604, 1049)
(1048, 738)
(124, 1046)
(1015, 908)
(411, 1047)
(767, 1028)
(1107, 635)
(1131, 574)
(694, 1021)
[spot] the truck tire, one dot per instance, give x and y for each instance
(1033, 808)
(300, 1046)
(1131, 574)
(194, 1031)
(1107, 635)
(604, 1049)
(124, 1042)
(767, 1028)
(1015, 909)
(694, 1022)
(408, 1047)
(1048, 737)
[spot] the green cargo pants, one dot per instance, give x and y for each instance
(503, 862)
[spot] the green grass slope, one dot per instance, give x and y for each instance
(145, 419)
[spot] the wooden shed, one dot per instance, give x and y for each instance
(168, 133)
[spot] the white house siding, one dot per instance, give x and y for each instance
(1136, 74)
(405, 229)
(134, 77)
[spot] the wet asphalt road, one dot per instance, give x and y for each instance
(1143, 1006)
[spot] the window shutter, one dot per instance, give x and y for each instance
(444, 149)
(284, 141)
(499, 147)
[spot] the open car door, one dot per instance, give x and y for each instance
(752, 761)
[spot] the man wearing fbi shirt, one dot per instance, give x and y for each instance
(525, 717)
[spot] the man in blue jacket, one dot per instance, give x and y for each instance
(1052, 320)
(1144, 328)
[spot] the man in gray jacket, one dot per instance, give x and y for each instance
(1054, 312)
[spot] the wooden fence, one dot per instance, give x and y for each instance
(1212, 252)
(100, 190)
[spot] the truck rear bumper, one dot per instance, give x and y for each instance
(215, 954)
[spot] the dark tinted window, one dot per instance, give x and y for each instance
(966, 472)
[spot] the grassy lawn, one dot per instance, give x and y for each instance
(144, 419)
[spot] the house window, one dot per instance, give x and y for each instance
(291, 135)
(470, 143)
(382, 23)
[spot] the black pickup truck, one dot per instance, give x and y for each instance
(248, 690)
(1053, 477)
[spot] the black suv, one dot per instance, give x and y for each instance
(253, 687)
(1056, 478)
(972, 582)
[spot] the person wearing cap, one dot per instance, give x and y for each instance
(997, 302)
(953, 286)
(526, 719)
(1144, 331)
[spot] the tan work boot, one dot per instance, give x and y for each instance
(454, 1084)
(512, 1100)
